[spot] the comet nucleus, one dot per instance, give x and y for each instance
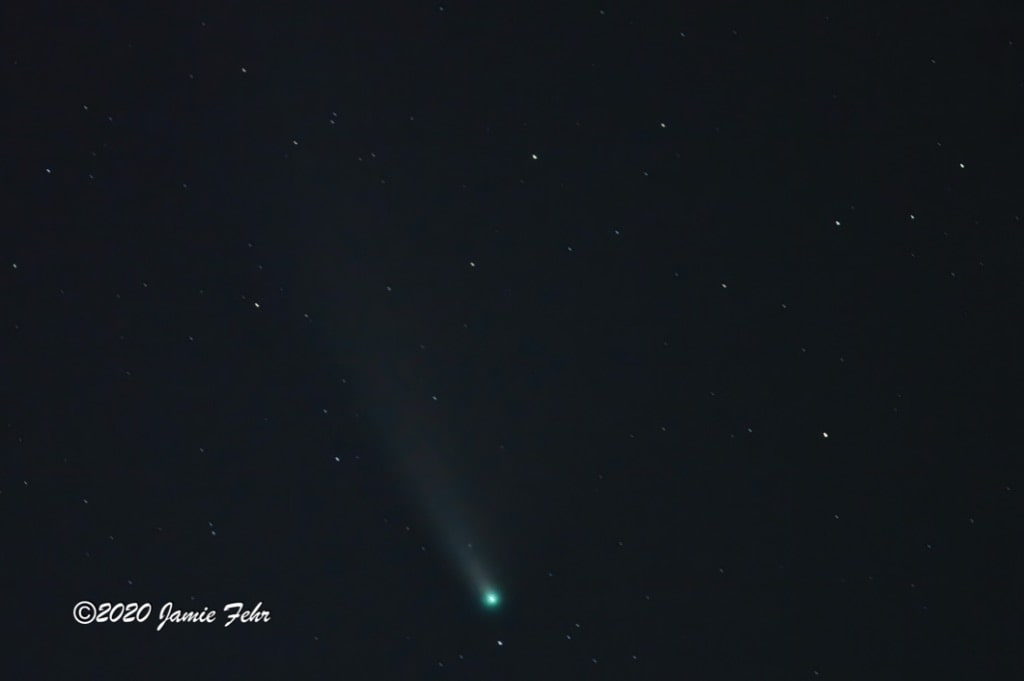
(491, 599)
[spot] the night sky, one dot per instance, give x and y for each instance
(688, 334)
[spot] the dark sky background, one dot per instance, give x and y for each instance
(699, 323)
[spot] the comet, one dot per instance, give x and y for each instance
(491, 599)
